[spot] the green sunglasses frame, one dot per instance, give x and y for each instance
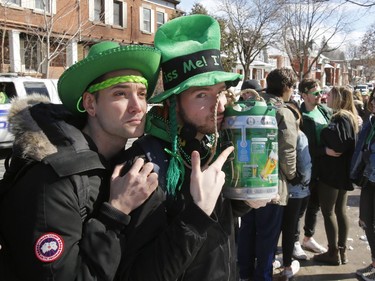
(317, 93)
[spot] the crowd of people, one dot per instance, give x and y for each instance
(75, 205)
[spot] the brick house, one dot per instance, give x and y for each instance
(29, 28)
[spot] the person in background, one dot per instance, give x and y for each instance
(253, 238)
(297, 202)
(3, 96)
(72, 205)
(366, 105)
(338, 139)
(248, 94)
(315, 117)
(363, 174)
(265, 232)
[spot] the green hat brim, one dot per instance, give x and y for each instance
(205, 79)
(75, 80)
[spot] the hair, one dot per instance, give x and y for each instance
(279, 79)
(369, 103)
(307, 84)
(343, 104)
(357, 95)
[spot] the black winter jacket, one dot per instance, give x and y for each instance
(43, 235)
(339, 136)
(171, 238)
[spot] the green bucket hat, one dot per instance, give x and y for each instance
(190, 48)
(105, 57)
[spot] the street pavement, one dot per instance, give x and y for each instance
(358, 250)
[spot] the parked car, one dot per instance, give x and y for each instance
(15, 86)
(361, 87)
(370, 87)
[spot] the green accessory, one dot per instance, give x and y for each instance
(103, 58)
(116, 80)
(190, 47)
(176, 169)
(317, 93)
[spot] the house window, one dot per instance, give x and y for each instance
(118, 17)
(29, 51)
(16, 2)
(99, 10)
(43, 5)
(160, 19)
(147, 20)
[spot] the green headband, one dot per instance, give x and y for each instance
(117, 80)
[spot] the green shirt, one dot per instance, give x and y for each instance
(320, 121)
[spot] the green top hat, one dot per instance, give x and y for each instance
(105, 57)
(190, 47)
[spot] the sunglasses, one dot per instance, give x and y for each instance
(317, 93)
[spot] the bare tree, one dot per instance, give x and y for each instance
(3, 31)
(306, 23)
(367, 53)
(52, 39)
(251, 27)
(365, 3)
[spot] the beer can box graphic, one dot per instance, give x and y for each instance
(252, 171)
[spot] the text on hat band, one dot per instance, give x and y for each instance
(117, 80)
(179, 69)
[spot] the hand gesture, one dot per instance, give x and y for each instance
(131, 190)
(205, 186)
(257, 203)
(331, 152)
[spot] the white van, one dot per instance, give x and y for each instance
(17, 86)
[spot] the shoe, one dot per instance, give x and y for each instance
(343, 257)
(369, 277)
(294, 268)
(330, 257)
(365, 271)
(276, 264)
(298, 253)
(363, 238)
(313, 246)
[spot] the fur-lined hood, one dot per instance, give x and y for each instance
(30, 140)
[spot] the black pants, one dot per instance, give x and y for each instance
(333, 203)
(312, 210)
(293, 212)
(367, 213)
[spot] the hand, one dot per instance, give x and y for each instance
(331, 152)
(257, 203)
(131, 190)
(296, 180)
(205, 187)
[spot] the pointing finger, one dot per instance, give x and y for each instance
(195, 163)
(219, 162)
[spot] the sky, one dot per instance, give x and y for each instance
(358, 27)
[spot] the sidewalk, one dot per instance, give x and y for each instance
(358, 251)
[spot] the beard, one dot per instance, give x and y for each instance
(208, 126)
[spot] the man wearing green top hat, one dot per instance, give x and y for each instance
(185, 231)
(64, 216)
